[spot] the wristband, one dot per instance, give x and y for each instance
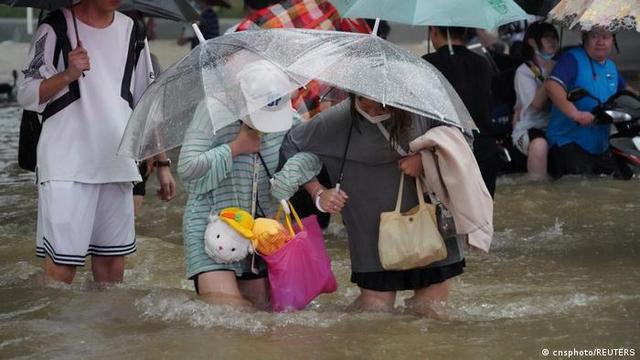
(318, 206)
(162, 163)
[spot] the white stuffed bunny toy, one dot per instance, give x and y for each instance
(226, 240)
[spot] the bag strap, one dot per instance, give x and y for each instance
(386, 135)
(287, 218)
(136, 45)
(400, 191)
(58, 23)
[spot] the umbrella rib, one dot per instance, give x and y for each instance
(385, 71)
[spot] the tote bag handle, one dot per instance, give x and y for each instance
(287, 218)
(400, 191)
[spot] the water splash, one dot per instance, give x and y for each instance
(169, 306)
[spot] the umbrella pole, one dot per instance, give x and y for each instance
(147, 55)
(254, 185)
(375, 27)
(75, 26)
(344, 157)
(198, 33)
(75, 23)
(449, 42)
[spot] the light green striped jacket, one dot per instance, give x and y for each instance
(214, 180)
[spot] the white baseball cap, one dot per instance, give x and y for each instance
(263, 85)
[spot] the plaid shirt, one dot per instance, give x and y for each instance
(308, 14)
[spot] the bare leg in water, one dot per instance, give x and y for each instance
(430, 301)
(256, 291)
(62, 273)
(372, 300)
(222, 288)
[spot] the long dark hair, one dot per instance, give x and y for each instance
(536, 31)
(397, 126)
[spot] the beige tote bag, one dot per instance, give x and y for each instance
(410, 240)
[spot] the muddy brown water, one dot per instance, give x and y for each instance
(563, 273)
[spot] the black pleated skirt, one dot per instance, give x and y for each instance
(407, 279)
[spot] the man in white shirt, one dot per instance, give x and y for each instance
(85, 204)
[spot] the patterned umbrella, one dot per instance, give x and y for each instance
(612, 15)
(307, 14)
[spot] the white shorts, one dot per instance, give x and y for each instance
(78, 219)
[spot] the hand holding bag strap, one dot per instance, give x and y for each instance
(401, 151)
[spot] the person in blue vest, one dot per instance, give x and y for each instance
(578, 144)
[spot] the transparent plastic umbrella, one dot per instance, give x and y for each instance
(359, 63)
(373, 67)
(211, 75)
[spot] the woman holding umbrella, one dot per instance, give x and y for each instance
(372, 168)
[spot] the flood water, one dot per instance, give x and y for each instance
(563, 273)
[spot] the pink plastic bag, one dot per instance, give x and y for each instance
(301, 269)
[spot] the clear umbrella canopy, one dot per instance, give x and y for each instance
(210, 74)
(612, 15)
(370, 66)
(215, 73)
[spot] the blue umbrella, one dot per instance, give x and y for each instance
(484, 14)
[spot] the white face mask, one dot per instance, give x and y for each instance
(372, 119)
(545, 56)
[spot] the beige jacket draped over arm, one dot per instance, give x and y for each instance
(452, 173)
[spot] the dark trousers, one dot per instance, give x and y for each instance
(486, 152)
(572, 159)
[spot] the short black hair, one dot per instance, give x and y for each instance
(536, 31)
(259, 4)
(455, 32)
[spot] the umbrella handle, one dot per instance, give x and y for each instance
(198, 33)
(147, 54)
(375, 27)
(75, 27)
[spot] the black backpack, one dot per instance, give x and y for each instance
(30, 124)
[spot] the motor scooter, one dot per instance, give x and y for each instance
(622, 110)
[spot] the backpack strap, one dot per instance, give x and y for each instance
(136, 45)
(535, 69)
(58, 22)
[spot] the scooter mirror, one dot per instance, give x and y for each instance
(577, 94)
(618, 116)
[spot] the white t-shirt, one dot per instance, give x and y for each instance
(526, 86)
(79, 142)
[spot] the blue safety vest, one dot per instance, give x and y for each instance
(562, 130)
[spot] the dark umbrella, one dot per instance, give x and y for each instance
(38, 4)
(176, 10)
(537, 7)
(46, 5)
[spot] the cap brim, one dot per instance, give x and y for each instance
(270, 121)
